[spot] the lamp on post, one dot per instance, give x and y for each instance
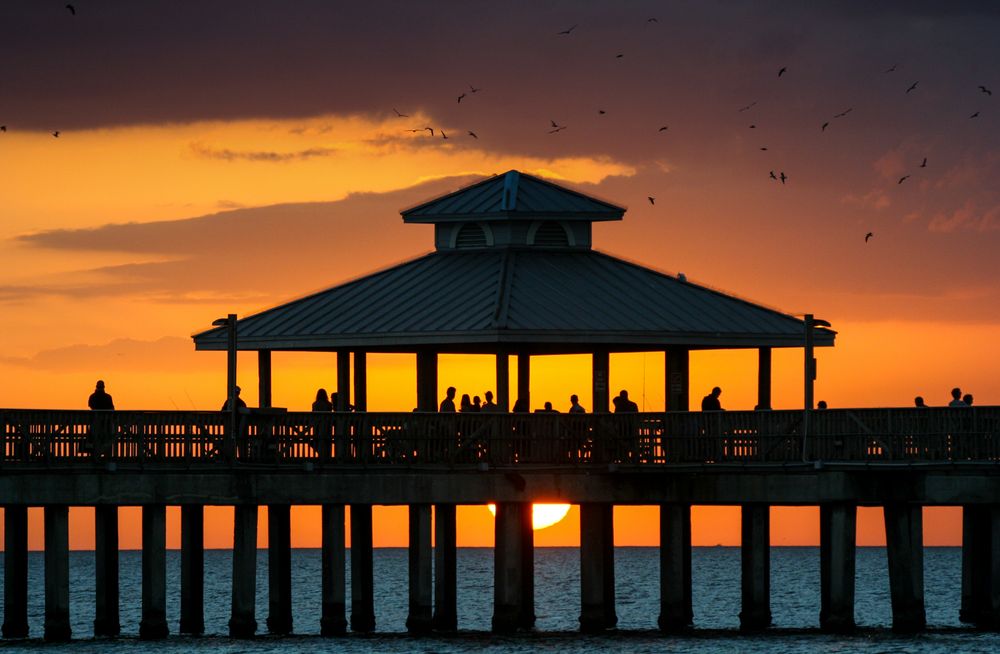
(810, 323)
(230, 323)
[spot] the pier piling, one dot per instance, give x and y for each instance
(755, 555)
(362, 569)
(333, 621)
(421, 561)
(192, 569)
(279, 569)
(153, 624)
(676, 612)
(512, 609)
(15, 566)
(57, 573)
(905, 549)
(106, 605)
(837, 556)
(597, 576)
(243, 620)
(445, 568)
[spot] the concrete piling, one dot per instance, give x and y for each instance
(192, 569)
(153, 624)
(362, 569)
(243, 620)
(676, 612)
(597, 589)
(279, 569)
(755, 555)
(445, 568)
(837, 556)
(421, 561)
(905, 549)
(333, 621)
(15, 566)
(57, 626)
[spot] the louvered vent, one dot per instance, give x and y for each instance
(551, 234)
(471, 235)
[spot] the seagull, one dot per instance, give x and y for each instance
(903, 179)
(843, 113)
(764, 148)
(460, 98)
(474, 89)
(891, 68)
(55, 134)
(429, 129)
(742, 109)
(753, 127)
(652, 20)
(912, 86)
(783, 177)
(782, 70)
(923, 164)
(443, 135)
(773, 176)
(473, 134)
(399, 115)
(975, 115)
(72, 9)
(651, 199)
(619, 56)
(825, 125)
(868, 236)
(566, 31)
(985, 90)
(601, 112)
(3, 128)
(664, 128)
(556, 127)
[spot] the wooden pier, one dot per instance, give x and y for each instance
(900, 459)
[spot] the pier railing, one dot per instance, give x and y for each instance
(187, 438)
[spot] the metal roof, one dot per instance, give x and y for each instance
(549, 300)
(512, 196)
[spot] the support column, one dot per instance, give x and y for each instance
(905, 548)
(264, 379)
(343, 381)
(427, 380)
(527, 619)
(243, 619)
(601, 364)
(677, 379)
(421, 557)
(279, 569)
(106, 613)
(974, 538)
(837, 555)
(192, 569)
(764, 378)
(362, 569)
(991, 614)
(57, 573)
(334, 585)
(445, 568)
(153, 625)
(755, 554)
(503, 381)
(524, 378)
(15, 572)
(360, 380)
(676, 612)
(597, 590)
(512, 608)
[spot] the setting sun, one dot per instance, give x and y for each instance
(542, 515)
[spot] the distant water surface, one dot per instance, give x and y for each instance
(716, 579)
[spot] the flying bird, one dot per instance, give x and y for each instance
(985, 90)
(825, 125)
(429, 129)
(773, 176)
(843, 113)
(443, 135)
(474, 89)
(903, 179)
(782, 177)
(619, 56)
(742, 109)
(912, 86)
(556, 127)
(868, 236)
(923, 164)
(753, 127)
(601, 112)
(975, 115)
(399, 115)
(652, 20)
(891, 68)
(72, 9)
(566, 31)
(473, 134)
(460, 98)
(55, 134)
(664, 128)
(764, 148)
(3, 128)
(782, 70)
(651, 199)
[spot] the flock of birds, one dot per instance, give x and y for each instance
(555, 128)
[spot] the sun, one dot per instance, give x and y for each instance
(542, 515)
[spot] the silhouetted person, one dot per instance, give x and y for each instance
(322, 402)
(477, 404)
(711, 401)
(821, 405)
(99, 399)
(448, 403)
(956, 398)
(547, 409)
(465, 406)
(625, 405)
(575, 406)
(240, 404)
(918, 402)
(967, 399)
(489, 406)
(520, 406)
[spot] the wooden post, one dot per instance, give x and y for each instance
(675, 568)
(445, 568)
(600, 365)
(905, 549)
(360, 380)
(524, 378)
(334, 586)
(343, 381)
(755, 553)
(192, 569)
(57, 574)
(106, 605)
(362, 569)
(597, 592)
(243, 620)
(15, 571)
(764, 378)
(279, 568)
(503, 380)
(427, 380)
(153, 625)
(421, 560)
(677, 377)
(837, 555)
(264, 378)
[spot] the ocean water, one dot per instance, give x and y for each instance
(716, 583)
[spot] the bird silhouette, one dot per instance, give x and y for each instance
(985, 90)
(72, 9)
(601, 112)
(651, 199)
(429, 129)
(460, 98)
(418, 129)
(55, 134)
(912, 86)
(652, 20)
(891, 68)
(399, 115)
(773, 176)
(764, 148)
(903, 179)
(664, 128)
(443, 135)
(619, 56)
(753, 127)
(843, 113)
(782, 70)
(868, 236)
(566, 31)
(975, 115)
(923, 164)
(782, 177)
(3, 128)
(473, 134)
(746, 108)
(556, 127)
(474, 89)
(825, 125)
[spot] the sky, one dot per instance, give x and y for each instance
(225, 157)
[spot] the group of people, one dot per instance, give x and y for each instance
(622, 404)
(957, 399)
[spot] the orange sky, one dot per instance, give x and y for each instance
(211, 180)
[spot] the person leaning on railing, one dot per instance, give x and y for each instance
(101, 440)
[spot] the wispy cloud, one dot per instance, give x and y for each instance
(265, 156)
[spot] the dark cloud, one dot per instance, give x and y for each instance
(226, 154)
(169, 354)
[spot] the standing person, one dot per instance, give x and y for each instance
(322, 402)
(821, 405)
(711, 401)
(99, 399)
(967, 399)
(477, 404)
(625, 405)
(575, 406)
(465, 406)
(918, 402)
(489, 406)
(448, 403)
(547, 408)
(240, 404)
(520, 406)
(956, 398)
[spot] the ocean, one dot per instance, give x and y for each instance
(716, 583)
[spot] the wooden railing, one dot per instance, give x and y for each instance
(183, 438)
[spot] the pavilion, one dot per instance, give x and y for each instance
(525, 244)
